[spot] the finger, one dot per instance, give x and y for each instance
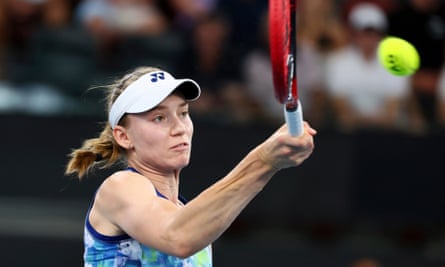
(309, 129)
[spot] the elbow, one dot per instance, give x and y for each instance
(184, 241)
(184, 252)
(184, 249)
(183, 246)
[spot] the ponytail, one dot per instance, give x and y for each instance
(102, 151)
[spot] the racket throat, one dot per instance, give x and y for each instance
(292, 97)
(292, 105)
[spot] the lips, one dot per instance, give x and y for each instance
(180, 146)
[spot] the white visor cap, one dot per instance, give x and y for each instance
(148, 91)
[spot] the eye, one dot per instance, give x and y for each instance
(184, 113)
(158, 118)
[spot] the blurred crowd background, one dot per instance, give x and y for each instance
(372, 194)
(52, 52)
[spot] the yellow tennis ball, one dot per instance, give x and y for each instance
(398, 56)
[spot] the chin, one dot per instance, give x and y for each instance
(182, 164)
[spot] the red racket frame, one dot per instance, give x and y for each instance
(282, 43)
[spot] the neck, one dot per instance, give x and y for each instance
(167, 185)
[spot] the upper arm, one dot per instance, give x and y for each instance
(129, 201)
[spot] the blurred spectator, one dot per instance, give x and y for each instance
(422, 22)
(211, 60)
(59, 52)
(311, 88)
(57, 13)
(237, 106)
(320, 26)
(111, 21)
(21, 18)
(94, 16)
(21, 23)
(121, 17)
(320, 32)
(387, 6)
(363, 94)
(184, 14)
(257, 74)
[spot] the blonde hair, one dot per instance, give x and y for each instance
(103, 151)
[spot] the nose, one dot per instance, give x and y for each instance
(178, 126)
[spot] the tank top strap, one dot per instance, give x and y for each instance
(181, 198)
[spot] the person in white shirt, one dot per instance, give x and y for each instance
(362, 93)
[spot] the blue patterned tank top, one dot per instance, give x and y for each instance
(124, 251)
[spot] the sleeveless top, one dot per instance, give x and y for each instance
(124, 251)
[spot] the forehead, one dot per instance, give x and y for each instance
(172, 101)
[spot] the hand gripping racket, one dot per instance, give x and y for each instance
(282, 43)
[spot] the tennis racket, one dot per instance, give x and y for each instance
(282, 43)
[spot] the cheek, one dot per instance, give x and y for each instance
(190, 129)
(151, 138)
(190, 132)
(188, 126)
(154, 139)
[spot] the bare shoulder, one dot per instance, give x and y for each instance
(117, 194)
(122, 188)
(126, 180)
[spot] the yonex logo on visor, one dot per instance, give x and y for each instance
(148, 91)
(156, 76)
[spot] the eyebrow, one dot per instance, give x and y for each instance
(160, 106)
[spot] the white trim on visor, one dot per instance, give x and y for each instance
(147, 92)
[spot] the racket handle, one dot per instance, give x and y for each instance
(294, 120)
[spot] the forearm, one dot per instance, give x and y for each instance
(207, 216)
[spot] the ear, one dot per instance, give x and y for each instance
(121, 137)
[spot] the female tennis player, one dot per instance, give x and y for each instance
(137, 217)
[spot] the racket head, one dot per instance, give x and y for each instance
(282, 48)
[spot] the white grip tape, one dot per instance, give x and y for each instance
(294, 120)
